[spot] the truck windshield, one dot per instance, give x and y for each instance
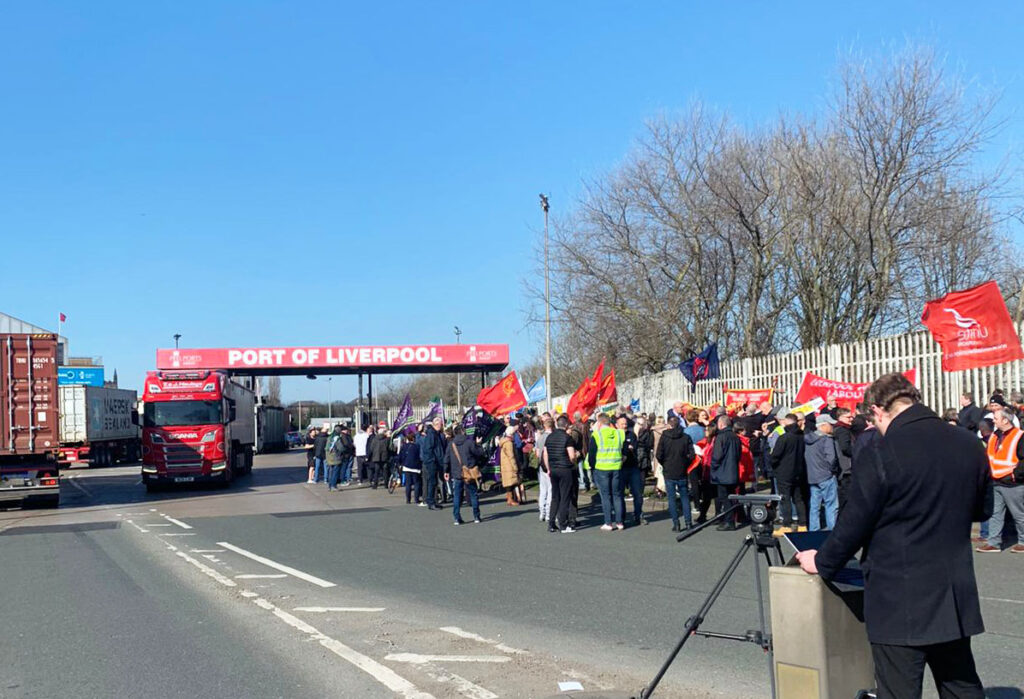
(182, 412)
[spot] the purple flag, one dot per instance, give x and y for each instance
(405, 418)
(435, 409)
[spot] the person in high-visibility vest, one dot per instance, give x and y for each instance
(1006, 459)
(605, 458)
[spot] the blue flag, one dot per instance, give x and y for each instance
(538, 391)
(405, 417)
(634, 405)
(702, 366)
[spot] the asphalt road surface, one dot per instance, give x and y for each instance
(276, 588)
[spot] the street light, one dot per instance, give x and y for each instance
(547, 310)
(458, 376)
(329, 397)
(177, 336)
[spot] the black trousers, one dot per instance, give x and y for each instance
(722, 493)
(844, 489)
(899, 670)
(563, 483)
(702, 494)
(792, 493)
(430, 484)
(574, 497)
(361, 464)
(375, 471)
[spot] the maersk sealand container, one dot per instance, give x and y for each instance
(98, 425)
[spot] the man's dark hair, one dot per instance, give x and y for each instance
(890, 389)
(840, 412)
(968, 395)
(458, 429)
(673, 421)
(792, 417)
(562, 422)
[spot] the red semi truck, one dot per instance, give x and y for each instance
(197, 426)
(29, 419)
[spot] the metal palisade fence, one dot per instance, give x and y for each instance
(855, 362)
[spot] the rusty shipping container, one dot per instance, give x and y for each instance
(29, 417)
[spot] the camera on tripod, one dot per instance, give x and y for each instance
(761, 510)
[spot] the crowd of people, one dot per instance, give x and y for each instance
(693, 458)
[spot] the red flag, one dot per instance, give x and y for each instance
(504, 397)
(973, 328)
(847, 394)
(608, 393)
(63, 318)
(584, 400)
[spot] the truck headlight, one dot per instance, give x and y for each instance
(219, 466)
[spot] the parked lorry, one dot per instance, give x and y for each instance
(29, 419)
(197, 426)
(98, 425)
(270, 429)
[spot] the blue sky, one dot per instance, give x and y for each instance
(271, 173)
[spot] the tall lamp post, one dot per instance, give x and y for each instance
(458, 375)
(177, 336)
(329, 416)
(547, 310)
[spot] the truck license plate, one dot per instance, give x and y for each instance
(184, 479)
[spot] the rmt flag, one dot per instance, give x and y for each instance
(973, 328)
(702, 366)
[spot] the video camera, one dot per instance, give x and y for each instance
(761, 510)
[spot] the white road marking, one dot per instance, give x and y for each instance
(327, 610)
(212, 558)
(417, 659)
(246, 593)
(176, 521)
(255, 576)
(158, 525)
(458, 682)
(73, 480)
(999, 599)
(383, 674)
(461, 633)
(222, 579)
(277, 566)
(175, 534)
(152, 509)
(207, 550)
(144, 531)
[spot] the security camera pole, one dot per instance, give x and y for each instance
(547, 311)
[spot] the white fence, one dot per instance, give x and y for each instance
(855, 362)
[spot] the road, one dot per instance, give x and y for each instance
(275, 588)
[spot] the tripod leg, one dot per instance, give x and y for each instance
(764, 626)
(694, 622)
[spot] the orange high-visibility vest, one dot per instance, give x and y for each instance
(1002, 459)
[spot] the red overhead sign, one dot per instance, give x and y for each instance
(338, 359)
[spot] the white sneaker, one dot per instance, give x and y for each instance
(477, 521)
(607, 528)
(421, 504)
(310, 482)
(568, 530)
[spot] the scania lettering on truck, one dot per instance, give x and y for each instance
(197, 426)
(29, 419)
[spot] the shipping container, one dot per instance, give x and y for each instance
(29, 417)
(94, 413)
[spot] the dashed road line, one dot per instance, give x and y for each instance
(462, 633)
(277, 566)
(999, 599)
(328, 610)
(207, 550)
(177, 522)
(383, 674)
(144, 531)
(458, 682)
(257, 576)
(222, 579)
(175, 534)
(160, 524)
(418, 659)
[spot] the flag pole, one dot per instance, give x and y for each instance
(547, 311)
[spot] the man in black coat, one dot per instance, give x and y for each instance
(912, 500)
(970, 414)
(725, 470)
(675, 454)
(790, 472)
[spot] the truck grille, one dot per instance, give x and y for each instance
(182, 456)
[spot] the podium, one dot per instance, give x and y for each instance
(819, 641)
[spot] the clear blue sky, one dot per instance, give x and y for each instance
(272, 173)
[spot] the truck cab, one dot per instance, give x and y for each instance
(197, 426)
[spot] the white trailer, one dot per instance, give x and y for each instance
(98, 425)
(270, 429)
